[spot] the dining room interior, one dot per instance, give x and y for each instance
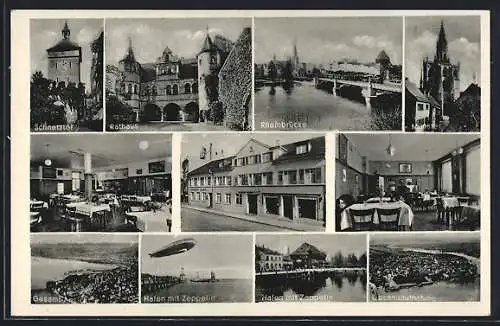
(407, 182)
(100, 183)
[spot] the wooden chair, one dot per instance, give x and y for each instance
(440, 212)
(362, 219)
(389, 218)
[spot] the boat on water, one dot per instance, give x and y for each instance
(205, 280)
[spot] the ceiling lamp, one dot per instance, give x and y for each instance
(143, 145)
(391, 150)
(48, 161)
(460, 150)
(387, 165)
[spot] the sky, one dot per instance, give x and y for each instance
(150, 36)
(463, 35)
(329, 244)
(231, 143)
(82, 238)
(327, 39)
(46, 33)
(228, 256)
(431, 237)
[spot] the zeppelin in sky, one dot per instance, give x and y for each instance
(174, 248)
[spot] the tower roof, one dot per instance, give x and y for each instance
(208, 45)
(442, 45)
(65, 44)
(129, 56)
(382, 56)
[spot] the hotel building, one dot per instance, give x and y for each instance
(280, 181)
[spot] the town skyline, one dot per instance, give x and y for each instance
(463, 35)
(45, 33)
(322, 40)
(183, 36)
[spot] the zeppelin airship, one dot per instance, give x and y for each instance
(174, 248)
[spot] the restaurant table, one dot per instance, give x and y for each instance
(405, 216)
(140, 199)
(150, 221)
(89, 209)
(377, 199)
(39, 204)
(76, 204)
(450, 202)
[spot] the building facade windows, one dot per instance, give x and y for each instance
(227, 198)
(218, 198)
(239, 199)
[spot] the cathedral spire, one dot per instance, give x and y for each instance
(65, 31)
(442, 46)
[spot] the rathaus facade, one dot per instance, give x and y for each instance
(172, 88)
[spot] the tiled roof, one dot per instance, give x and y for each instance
(317, 150)
(64, 45)
(307, 249)
(213, 166)
(267, 251)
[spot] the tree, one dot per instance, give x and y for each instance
(337, 261)
(352, 260)
(118, 112)
(362, 261)
(212, 87)
(272, 71)
(316, 72)
(216, 112)
(42, 110)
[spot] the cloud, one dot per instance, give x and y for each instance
(365, 41)
(460, 50)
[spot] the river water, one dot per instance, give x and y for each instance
(324, 287)
(225, 290)
(309, 108)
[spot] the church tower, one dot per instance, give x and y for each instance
(209, 60)
(440, 78)
(64, 59)
(130, 69)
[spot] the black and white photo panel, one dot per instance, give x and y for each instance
(443, 73)
(310, 268)
(408, 182)
(253, 182)
(101, 183)
(66, 84)
(84, 268)
(328, 73)
(178, 74)
(199, 268)
(425, 267)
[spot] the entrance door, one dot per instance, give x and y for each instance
(252, 204)
(288, 206)
(211, 199)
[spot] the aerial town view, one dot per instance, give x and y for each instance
(425, 267)
(66, 87)
(328, 73)
(84, 268)
(443, 70)
(178, 74)
(310, 268)
(196, 268)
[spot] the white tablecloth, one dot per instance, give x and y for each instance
(38, 203)
(152, 221)
(450, 202)
(405, 216)
(89, 209)
(76, 204)
(141, 199)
